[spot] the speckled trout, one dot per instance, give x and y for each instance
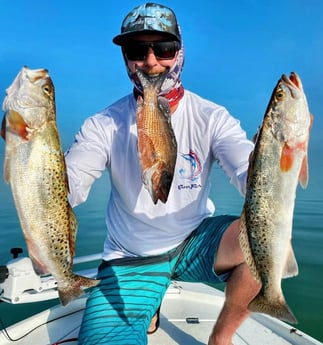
(278, 163)
(157, 146)
(35, 169)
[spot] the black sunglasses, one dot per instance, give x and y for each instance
(163, 50)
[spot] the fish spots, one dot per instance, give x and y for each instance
(37, 175)
(276, 165)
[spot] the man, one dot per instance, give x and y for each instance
(149, 244)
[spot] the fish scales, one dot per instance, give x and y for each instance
(35, 170)
(278, 163)
(157, 146)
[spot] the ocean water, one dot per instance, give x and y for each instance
(303, 293)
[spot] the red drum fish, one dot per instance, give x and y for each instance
(35, 169)
(277, 164)
(157, 146)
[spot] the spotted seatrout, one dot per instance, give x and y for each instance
(35, 169)
(278, 163)
(157, 146)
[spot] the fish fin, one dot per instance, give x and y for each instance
(6, 169)
(33, 253)
(147, 179)
(161, 184)
(276, 308)
(3, 128)
(140, 103)
(245, 247)
(66, 176)
(17, 124)
(257, 134)
(74, 288)
(155, 81)
(291, 267)
(38, 267)
(73, 231)
(286, 158)
(303, 174)
(163, 105)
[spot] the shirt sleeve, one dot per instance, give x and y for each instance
(87, 158)
(231, 149)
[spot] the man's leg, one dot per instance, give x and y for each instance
(120, 308)
(213, 255)
(240, 290)
(154, 323)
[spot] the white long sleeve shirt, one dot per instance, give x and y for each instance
(205, 133)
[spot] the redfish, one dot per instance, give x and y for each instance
(157, 146)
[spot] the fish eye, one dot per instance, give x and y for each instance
(280, 95)
(47, 89)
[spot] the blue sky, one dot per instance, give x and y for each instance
(235, 52)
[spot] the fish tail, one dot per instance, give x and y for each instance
(155, 81)
(278, 308)
(74, 288)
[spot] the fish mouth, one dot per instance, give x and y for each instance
(36, 74)
(293, 82)
(33, 76)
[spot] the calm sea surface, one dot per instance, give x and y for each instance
(304, 293)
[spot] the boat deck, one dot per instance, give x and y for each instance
(187, 316)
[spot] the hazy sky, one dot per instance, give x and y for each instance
(235, 52)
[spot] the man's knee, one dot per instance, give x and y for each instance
(229, 253)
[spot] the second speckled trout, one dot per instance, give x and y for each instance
(35, 170)
(157, 146)
(278, 163)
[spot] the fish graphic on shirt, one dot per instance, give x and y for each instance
(193, 169)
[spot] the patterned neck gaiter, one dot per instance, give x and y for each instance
(172, 88)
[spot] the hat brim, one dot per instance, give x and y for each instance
(123, 39)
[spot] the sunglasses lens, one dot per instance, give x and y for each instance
(163, 50)
(136, 51)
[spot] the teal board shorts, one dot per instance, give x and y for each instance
(119, 309)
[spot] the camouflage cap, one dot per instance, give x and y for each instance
(148, 18)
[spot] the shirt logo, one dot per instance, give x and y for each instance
(190, 170)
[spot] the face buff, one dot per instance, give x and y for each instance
(171, 88)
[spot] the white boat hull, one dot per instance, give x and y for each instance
(187, 315)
